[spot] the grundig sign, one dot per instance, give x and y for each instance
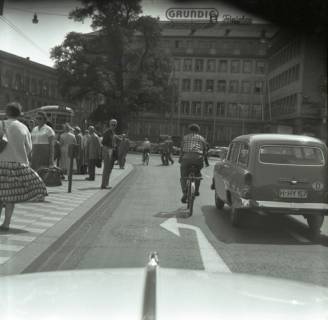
(194, 14)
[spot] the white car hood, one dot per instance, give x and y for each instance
(181, 294)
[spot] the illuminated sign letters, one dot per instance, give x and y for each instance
(194, 14)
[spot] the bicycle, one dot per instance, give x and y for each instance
(191, 188)
(145, 159)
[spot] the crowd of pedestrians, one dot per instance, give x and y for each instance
(25, 153)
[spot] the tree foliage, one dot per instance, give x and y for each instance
(121, 59)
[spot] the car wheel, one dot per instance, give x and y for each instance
(218, 202)
(315, 222)
(235, 216)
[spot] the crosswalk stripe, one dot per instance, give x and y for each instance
(18, 238)
(43, 224)
(35, 230)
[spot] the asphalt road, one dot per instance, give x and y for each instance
(144, 214)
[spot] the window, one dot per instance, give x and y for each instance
(8, 79)
(233, 86)
(177, 44)
(197, 108)
(185, 84)
(220, 109)
(197, 85)
(247, 66)
(233, 152)
(199, 65)
(235, 66)
(296, 155)
(232, 111)
(256, 111)
(222, 85)
(258, 87)
(27, 84)
(18, 82)
(243, 155)
(177, 64)
(223, 66)
(260, 67)
(185, 107)
(33, 86)
(211, 65)
(187, 65)
(209, 85)
(208, 109)
(245, 87)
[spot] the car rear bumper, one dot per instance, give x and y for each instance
(285, 207)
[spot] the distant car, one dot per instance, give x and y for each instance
(218, 152)
(274, 174)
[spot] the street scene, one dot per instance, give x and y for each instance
(149, 146)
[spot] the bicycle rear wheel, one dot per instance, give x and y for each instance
(191, 197)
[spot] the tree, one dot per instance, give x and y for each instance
(121, 60)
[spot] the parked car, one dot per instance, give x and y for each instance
(274, 174)
(218, 152)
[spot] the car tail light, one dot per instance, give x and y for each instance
(246, 190)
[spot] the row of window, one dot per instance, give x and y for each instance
(285, 105)
(223, 86)
(16, 81)
(291, 51)
(285, 78)
(214, 65)
(220, 109)
(27, 104)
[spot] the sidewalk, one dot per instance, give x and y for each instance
(37, 225)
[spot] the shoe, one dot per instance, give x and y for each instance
(184, 198)
(197, 193)
(3, 228)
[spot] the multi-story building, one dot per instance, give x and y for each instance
(30, 83)
(220, 74)
(297, 67)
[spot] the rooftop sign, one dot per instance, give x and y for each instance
(228, 19)
(192, 14)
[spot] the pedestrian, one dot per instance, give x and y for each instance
(206, 155)
(123, 149)
(109, 143)
(43, 143)
(79, 151)
(18, 182)
(93, 153)
(67, 138)
(57, 149)
(85, 139)
(169, 149)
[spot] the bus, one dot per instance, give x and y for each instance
(57, 116)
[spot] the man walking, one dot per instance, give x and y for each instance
(93, 153)
(123, 149)
(79, 153)
(109, 149)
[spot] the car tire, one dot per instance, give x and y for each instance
(218, 202)
(315, 222)
(235, 216)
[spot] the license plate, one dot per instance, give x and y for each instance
(297, 194)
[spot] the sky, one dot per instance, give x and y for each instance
(18, 35)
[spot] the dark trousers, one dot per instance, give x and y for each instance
(92, 168)
(109, 160)
(186, 163)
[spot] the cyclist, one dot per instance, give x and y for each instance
(146, 145)
(193, 149)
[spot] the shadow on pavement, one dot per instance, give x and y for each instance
(90, 188)
(258, 229)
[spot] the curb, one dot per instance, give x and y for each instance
(26, 257)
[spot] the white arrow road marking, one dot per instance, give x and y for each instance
(211, 259)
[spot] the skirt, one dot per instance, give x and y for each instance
(20, 183)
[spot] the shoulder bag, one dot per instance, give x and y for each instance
(3, 139)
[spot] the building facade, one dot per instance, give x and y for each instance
(30, 83)
(236, 79)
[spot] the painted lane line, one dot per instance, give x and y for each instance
(211, 259)
(18, 238)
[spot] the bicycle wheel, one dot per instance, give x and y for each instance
(147, 159)
(191, 197)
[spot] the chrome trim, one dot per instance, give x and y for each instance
(149, 297)
(292, 205)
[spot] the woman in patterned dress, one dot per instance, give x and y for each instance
(18, 182)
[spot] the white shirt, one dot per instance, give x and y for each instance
(42, 135)
(19, 143)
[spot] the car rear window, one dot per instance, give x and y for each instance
(298, 155)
